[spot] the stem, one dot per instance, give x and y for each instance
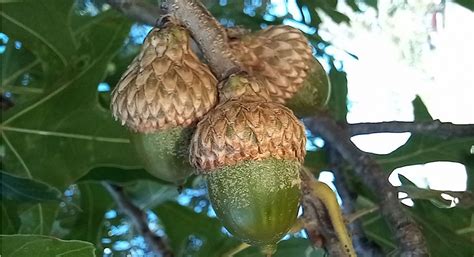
(407, 232)
(138, 10)
(138, 219)
(207, 32)
(20, 90)
(320, 191)
(434, 128)
(239, 248)
(351, 218)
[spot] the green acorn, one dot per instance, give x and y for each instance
(281, 57)
(160, 98)
(250, 151)
(314, 94)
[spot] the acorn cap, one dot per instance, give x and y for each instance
(280, 56)
(165, 86)
(248, 128)
(241, 85)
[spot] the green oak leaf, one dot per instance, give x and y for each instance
(462, 199)
(43, 26)
(291, 247)
(15, 63)
(43, 246)
(26, 190)
(63, 134)
(466, 3)
(117, 175)
(470, 172)
(38, 218)
(87, 224)
(184, 227)
(448, 232)
(148, 194)
(10, 220)
(338, 99)
(28, 206)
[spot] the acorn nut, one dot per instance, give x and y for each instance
(250, 150)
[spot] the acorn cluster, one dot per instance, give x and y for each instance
(241, 134)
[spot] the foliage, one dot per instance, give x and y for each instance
(59, 140)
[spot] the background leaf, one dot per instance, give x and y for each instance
(292, 247)
(466, 3)
(193, 233)
(338, 99)
(87, 224)
(43, 246)
(76, 135)
(26, 190)
(448, 232)
(43, 26)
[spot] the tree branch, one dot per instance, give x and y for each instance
(317, 222)
(138, 10)
(434, 128)
(362, 245)
(138, 219)
(207, 32)
(407, 233)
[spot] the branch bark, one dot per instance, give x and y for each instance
(407, 233)
(207, 32)
(434, 128)
(362, 245)
(138, 10)
(139, 220)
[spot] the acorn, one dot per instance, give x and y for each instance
(281, 57)
(314, 94)
(160, 98)
(250, 151)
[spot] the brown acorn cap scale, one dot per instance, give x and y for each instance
(280, 56)
(165, 86)
(246, 127)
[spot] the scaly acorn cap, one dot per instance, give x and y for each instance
(279, 56)
(165, 86)
(313, 95)
(246, 127)
(239, 86)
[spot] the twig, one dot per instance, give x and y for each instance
(434, 128)
(146, 13)
(139, 220)
(317, 222)
(138, 10)
(208, 33)
(239, 248)
(353, 217)
(407, 233)
(362, 245)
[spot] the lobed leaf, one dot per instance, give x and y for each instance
(43, 246)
